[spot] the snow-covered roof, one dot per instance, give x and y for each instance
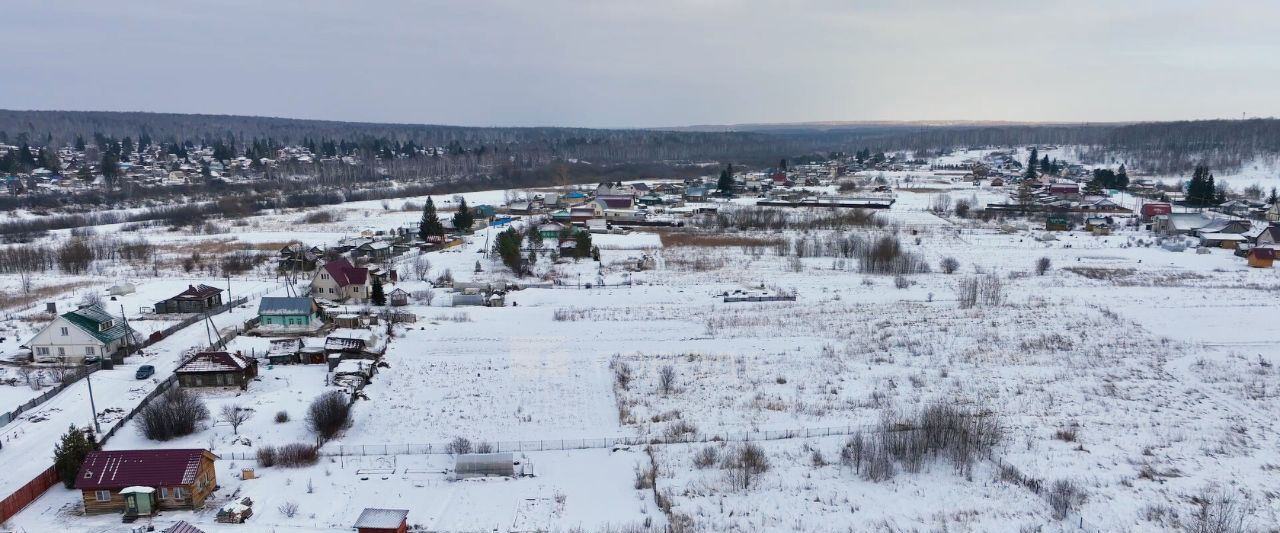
(381, 518)
(215, 362)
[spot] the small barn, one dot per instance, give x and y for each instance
(1057, 223)
(1261, 257)
(217, 369)
(284, 351)
(353, 343)
(382, 521)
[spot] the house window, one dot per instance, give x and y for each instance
(62, 351)
(324, 276)
(42, 350)
(178, 493)
(88, 350)
(65, 332)
(102, 495)
(164, 493)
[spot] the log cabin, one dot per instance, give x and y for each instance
(180, 479)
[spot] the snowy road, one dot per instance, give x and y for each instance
(28, 441)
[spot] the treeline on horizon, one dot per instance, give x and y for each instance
(1152, 147)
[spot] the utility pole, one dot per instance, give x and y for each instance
(88, 378)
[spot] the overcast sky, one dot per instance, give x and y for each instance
(603, 63)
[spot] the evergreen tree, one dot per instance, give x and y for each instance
(79, 143)
(507, 248)
(1046, 165)
(534, 236)
(1273, 198)
(69, 454)
(582, 244)
(725, 184)
(463, 219)
(1122, 178)
(1095, 187)
(110, 167)
(1031, 164)
(782, 165)
(376, 296)
(430, 225)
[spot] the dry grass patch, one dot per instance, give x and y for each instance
(12, 301)
(671, 239)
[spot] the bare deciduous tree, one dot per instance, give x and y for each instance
(666, 379)
(234, 416)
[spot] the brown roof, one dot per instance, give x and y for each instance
(215, 362)
(345, 274)
(1262, 253)
(147, 468)
(197, 292)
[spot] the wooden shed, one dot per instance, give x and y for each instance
(1261, 257)
(382, 521)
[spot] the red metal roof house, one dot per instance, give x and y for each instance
(181, 479)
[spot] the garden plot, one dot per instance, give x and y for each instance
(589, 489)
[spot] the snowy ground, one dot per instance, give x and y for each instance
(1159, 364)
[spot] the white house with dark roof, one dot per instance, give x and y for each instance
(75, 335)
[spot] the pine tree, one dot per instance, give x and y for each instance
(726, 181)
(463, 219)
(1031, 164)
(1122, 178)
(69, 454)
(507, 248)
(376, 295)
(1273, 198)
(430, 225)
(582, 244)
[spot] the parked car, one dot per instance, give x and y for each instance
(145, 371)
(91, 359)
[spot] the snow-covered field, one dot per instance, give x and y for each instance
(1142, 379)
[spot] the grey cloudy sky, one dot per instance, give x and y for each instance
(646, 63)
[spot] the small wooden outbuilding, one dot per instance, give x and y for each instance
(1261, 257)
(382, 521)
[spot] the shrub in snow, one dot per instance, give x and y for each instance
(329, 414)
(298, 454)
(267, 456)
(176, 413)
(459, 445)
(1065, 496)
(744, 466)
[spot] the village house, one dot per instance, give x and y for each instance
(217, 369)
(141, 482)
(288, 312)
(196, 299)
(1268, 236)
(338, 280)
(295, 257)
(85, 332)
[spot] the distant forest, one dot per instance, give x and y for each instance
(1155, 147)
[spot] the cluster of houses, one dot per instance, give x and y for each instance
(151, 166)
